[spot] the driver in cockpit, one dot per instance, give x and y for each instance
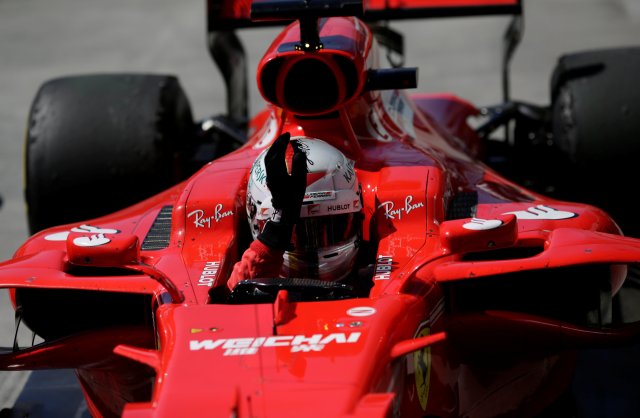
(304, 206)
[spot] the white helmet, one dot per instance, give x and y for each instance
(325, 239)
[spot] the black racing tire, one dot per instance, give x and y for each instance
(596, 123)
(99, 143)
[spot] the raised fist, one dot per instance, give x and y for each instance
(287, 182)
(286, 178)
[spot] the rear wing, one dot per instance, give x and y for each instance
(235, 14)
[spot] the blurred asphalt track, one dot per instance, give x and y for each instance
(43, 39)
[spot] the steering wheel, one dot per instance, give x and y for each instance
(265, 290)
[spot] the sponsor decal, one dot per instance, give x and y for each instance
(477, 224)
(199, 330)
(258, 172)
(304, 147)
(383, 267)
(338, 208)
(323, 195)
(349, 173)
(422, 370)
(206, 251)
(390, 211)
(91, 241)
(62, 236)
(202, 221)
(250, 346)
(542, 212)
(209, 273)
(360, 311)
(356, 204)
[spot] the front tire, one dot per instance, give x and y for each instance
(596, 123)
(99, 143)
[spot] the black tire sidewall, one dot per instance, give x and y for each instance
(596, 123)
(98, 143)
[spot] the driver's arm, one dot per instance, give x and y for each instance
(259, 260)
(263, 258)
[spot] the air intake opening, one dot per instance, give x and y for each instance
(311, 87)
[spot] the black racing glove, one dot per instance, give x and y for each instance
(287, 187)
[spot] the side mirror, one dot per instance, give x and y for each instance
(102, 249)
(472, 234)
(113, 248)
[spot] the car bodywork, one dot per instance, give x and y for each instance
(479, 289)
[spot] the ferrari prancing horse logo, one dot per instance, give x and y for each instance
(422, 369)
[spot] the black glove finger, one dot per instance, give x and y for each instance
(276, 168)
(298, 172)
(274, 161)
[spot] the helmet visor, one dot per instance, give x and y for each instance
(315, 233)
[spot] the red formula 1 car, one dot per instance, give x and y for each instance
(476, 292)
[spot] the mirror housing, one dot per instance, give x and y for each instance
(102, 250)
(473, 234)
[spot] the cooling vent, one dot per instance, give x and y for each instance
(463, 205)
(160, 232)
